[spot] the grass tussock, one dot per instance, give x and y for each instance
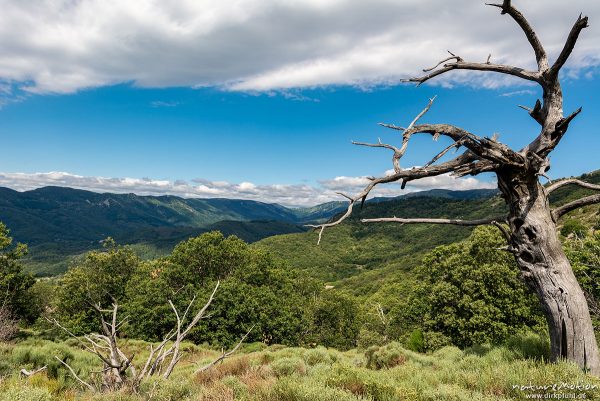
(380, 373)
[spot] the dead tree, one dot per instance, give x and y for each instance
(118, 368)
(531, 231)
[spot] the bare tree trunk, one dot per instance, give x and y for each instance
(547, 271)
(532, 237)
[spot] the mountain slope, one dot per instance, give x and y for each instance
(365, 258)
(58, 223)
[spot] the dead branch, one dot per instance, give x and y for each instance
(27, 373)
(572, 181)
(398, 153)
(580, 24)
(116, 364)
(540, 52)
(458, 222)
(535, 112)
(576, 204)
(463, 65)
(464, 163)
(84, 383)
(224, 354)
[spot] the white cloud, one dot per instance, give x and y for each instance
(162, 103)
(285, 194)
(63, 46)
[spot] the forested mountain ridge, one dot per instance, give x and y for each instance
(364, 258)
(59, 223)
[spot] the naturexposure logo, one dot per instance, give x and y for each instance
(557, 391)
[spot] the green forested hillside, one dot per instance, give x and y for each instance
(60, 223)
(354, 249)
(367, 258)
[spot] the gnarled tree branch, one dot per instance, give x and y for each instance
(463, 65)
(580, 24)
(571, 181)
(576, 204)
(457, 222)
(540, 52)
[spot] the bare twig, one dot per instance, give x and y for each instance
(540, 53)
(580, 24)
(27, 373)
(224, 354)
(84, 383)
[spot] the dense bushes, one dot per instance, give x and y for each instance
(256, 290)
(15, 285)
(332, 321)
(472, 292)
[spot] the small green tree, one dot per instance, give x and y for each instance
(472, 291)
(15, 284)
(99, 278)
(332, 321)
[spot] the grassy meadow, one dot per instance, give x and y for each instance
(278, 373)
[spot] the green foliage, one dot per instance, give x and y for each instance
(434, 340)
(472, 291)
(21, 393)
(209, 256)
(15, 285)
(416, 341)
(288, 366)
(584, 255)
(255, 291)
(99, 278)
(332, 321)
(387, 373)
(573, 227)
(367, 338)
(529, 346)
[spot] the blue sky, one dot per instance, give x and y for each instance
(282, 129)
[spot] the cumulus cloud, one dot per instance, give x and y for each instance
(62, 46)
(285, 194)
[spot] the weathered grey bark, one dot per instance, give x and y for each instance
(532, 234)
(547, 272)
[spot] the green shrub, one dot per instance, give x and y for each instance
(474, 294)
(239, 389)
(317, 355)
(385, 357)
(529, 346)
(573, 227)
(416, 341)
(288, 365)
(22, 392)
(434, 340)
(367, 338)
(361, 383)
(291, 390)
(332, 321)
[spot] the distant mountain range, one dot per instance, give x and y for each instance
(58, 222)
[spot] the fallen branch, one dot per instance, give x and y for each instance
(224, 355)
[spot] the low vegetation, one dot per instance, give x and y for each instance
(446, 322)
(276, 373)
